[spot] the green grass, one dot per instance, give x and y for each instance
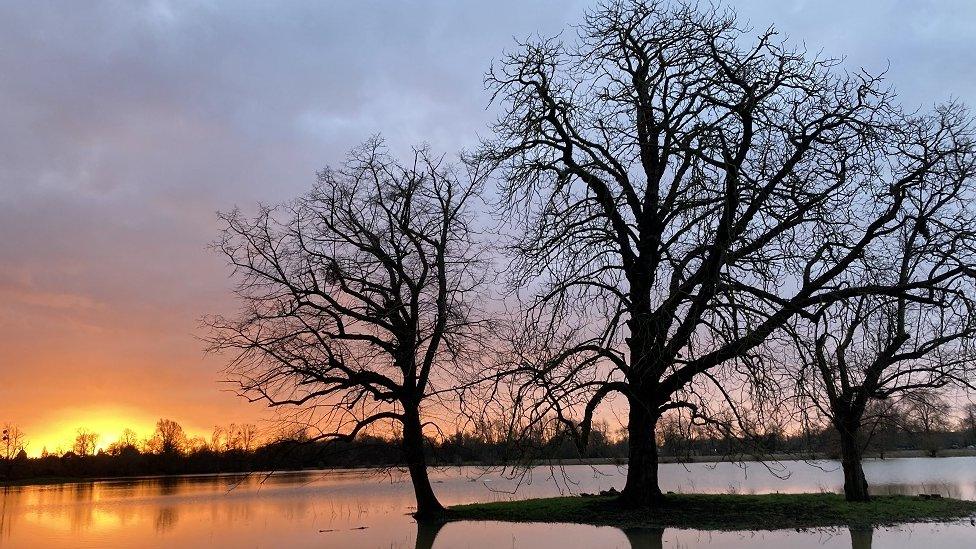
(724, 512)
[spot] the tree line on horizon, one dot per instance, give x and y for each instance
(918, 427)
(167, 438)
(672, 211)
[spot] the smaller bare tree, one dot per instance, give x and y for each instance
(232, 437)
(926, 416)
(12, 441)
(881, 346)
(968, 422)
(128, 441)
(168, 439)
(360, 300)
(249, 436)
(215, 443)
(86, 442)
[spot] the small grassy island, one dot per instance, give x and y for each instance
(724, 511)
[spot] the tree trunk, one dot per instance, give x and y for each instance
(413, 451)
(642, 487)
(855, 484)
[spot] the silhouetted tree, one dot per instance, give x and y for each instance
(685, 190)
(876, 346)
(217, 437)
(926, 414)
(884, 423)
(85, 443)
(168, 439)
(128, 441)
(968, 422)
(359, 298)
(12, 441)
(236, 436)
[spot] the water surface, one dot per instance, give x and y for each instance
(365, 509)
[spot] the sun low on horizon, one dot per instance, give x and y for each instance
(56, 434)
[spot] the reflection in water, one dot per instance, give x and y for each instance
(5, 517)
(166, 519)
(169, 485)
(358, 509)
(427, 534)
(637, 538)
(645, 538)
(861, 538)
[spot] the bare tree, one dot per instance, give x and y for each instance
(128, 441)
(684, 191)
(12, 441)
(195, 444)
(249, 436)
(877, 347)
(86, 442)
(168, 439)
(968, 422)
(871, 349)
(232, 437)
(360, 303)
(926, 414)
(217, 435)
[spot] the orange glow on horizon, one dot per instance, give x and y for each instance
(58, 433)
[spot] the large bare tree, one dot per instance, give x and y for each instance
(685, 189)
(360, 299)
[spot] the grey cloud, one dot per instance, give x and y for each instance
(125, 125)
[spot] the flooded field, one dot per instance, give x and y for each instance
(365, 509)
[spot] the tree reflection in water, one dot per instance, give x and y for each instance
(861, 538)
(638, 538)
(645, 538)
(427, 533)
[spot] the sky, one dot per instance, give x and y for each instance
(125, 126)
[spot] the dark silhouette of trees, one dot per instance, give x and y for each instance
(168, 439)
(926, 414)
(235, 436)
(360, 299)
(12, 445)
(215, 443)
(128, 442)
(900, 427)
(86, 442)
(685, 191)
(968, 422)
(12, 441)
(247, 435)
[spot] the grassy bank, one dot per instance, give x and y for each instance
(724, 512)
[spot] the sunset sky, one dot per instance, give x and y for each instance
(124, 127)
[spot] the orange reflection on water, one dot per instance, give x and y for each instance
(359, 509)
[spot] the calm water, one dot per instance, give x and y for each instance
(367, 510)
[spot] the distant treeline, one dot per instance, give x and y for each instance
(232, 449)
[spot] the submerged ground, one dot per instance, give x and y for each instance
(365, 509)
(724, 511)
